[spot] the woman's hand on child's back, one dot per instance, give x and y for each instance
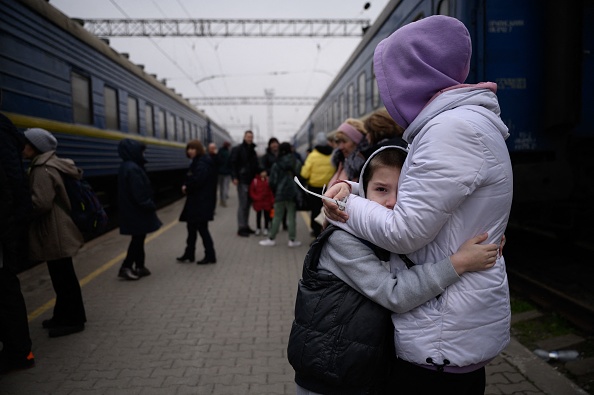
(473, 256)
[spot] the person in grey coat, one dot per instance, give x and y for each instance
(136, 207)
(53, 235)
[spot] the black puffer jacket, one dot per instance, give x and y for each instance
(340, 342)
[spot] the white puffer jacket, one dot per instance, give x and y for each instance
(455, 184)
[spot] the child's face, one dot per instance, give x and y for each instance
(383, 186)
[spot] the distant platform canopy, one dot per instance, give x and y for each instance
(226, 27)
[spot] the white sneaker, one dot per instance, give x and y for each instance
(265, 232)
(294, 243)
(258, 231)
(267, 243)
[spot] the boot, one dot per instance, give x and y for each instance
(186, 257)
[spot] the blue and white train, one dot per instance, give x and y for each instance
(57, 76)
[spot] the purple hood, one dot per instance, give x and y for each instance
(417, 61)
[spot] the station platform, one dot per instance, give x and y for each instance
(197, 329)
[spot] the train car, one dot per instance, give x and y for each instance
(540, 54)
(57, 76)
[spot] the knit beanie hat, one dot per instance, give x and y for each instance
(41, 139)
(417, 61)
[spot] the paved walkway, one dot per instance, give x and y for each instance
(197, 329)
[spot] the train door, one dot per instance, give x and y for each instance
(586, 125)
(513, 56)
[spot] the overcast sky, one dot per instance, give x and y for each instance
(241, 66)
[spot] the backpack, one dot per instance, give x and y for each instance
(86, 209)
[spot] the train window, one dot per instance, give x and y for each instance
(444, 7)
(362, 91)
(81, 99)
(132, 115)
(350, 101)
(170, 135)
(335, 114)
(162, 132)
(341, 107)
(149, 119)
(110, 96)
(179, 127)
(375, 96)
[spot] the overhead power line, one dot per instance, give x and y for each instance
(254, 101)
(226, 27)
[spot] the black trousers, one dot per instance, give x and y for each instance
(200, 227)
(14, 327)
(315, 203)
(69, 308)
(135, 252)
(266, 215)
(421, 381)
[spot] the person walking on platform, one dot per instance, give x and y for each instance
(263, 201)
(244, 167)
(317, 170)
(136, 208)
(224, 169)
(200, 188)
(285, 192)
(15, 209)
(53, 235)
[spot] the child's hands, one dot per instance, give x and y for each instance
(473, 256)
(338, 192)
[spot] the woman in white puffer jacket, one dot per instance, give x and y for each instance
(456, 183)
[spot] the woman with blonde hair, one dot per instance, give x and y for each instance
(382, 130)
(380, 126)
(348, 160)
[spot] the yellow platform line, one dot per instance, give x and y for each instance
(45, 307)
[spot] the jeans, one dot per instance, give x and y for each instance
(243, 211)
(224, 180)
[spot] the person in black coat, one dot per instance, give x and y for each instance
(136, 207)
(15, 209)
(244, 167)
(200, 188)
